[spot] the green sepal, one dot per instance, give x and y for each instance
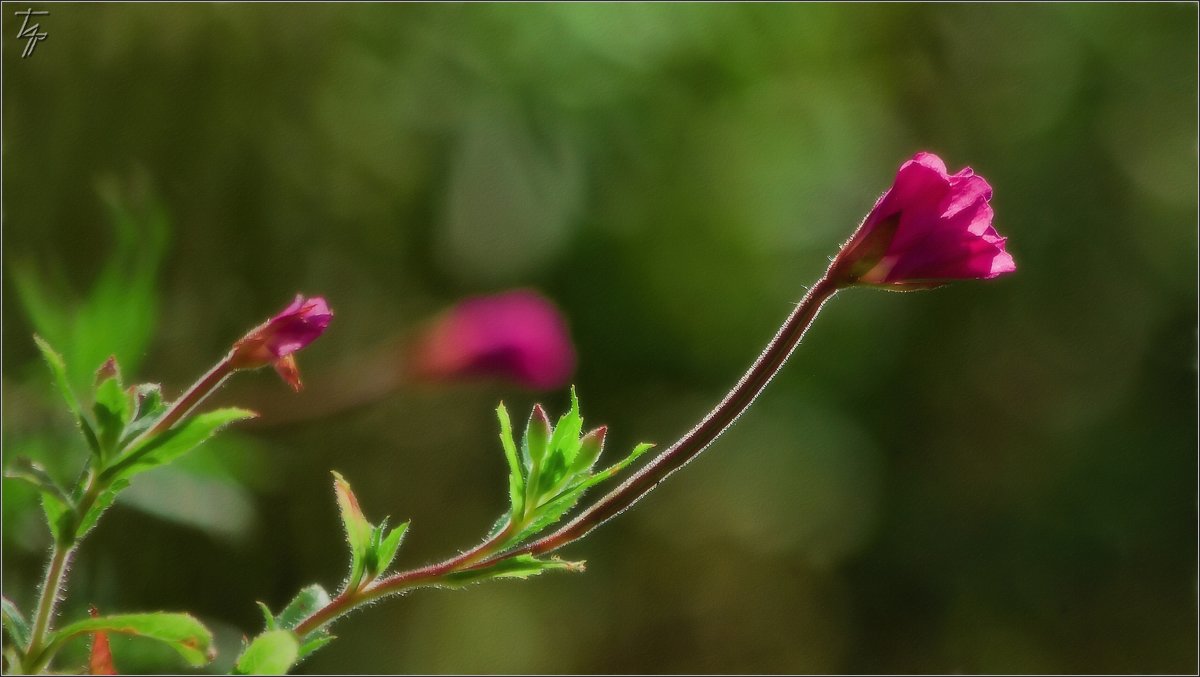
(274, 652)
(182, 632)
(14, 623)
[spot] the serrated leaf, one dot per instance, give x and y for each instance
(358, 529)
(272, 653)
(182, 632)
(521, 566)
(166, 447)
(516, 483)
(113, 411)
(565, 440)
(307, 602)
(14, 622)
(58, 369)
(385, 552)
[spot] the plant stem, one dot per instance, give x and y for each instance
(194, 395)
(699, 438)
(56, 576)
(427, 575)
(629, 492)
(38, 656)
(56, 571)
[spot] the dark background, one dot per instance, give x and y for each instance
(990, 477)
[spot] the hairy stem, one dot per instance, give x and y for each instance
(629, 492)
(194, 395)
(699, 438)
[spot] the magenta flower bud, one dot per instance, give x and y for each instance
(929, 228)
(274, 341)
(517, 335)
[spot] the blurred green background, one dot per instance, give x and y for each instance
(991, 477)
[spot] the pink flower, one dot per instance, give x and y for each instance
(517, 335)
(274, 341)
(929, 228)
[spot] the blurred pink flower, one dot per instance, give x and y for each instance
(518, 335)
(274, 341)
(930, 227)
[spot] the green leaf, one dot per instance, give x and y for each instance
(181, 632)
(521, 566)
(117, 313)
(113, 411)
(536, 439)
(565, 441)
(14, 623)
(58, 368)
(34, 474)
(272, 653)
(179, 440)
(307, 602)
(358, 529)
(314, 642)
(624, 463)
(103, 502)
(516, 483)
(149, 407)
(268, 617)
(385, 552)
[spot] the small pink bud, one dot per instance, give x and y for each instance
(274, 341)
(110, 369)
(517, 335)
(929, 228)
(590, 446)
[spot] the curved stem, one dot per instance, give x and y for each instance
(699, 438)
(625, 495)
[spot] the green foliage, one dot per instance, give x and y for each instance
(521, 566)
(273, 652)
(307, 602)
(58, 370)
(113, 411)
(372, 548)
(119, 312)
(555, 469)
(14, 622)
(180, 439)
(181, 632)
